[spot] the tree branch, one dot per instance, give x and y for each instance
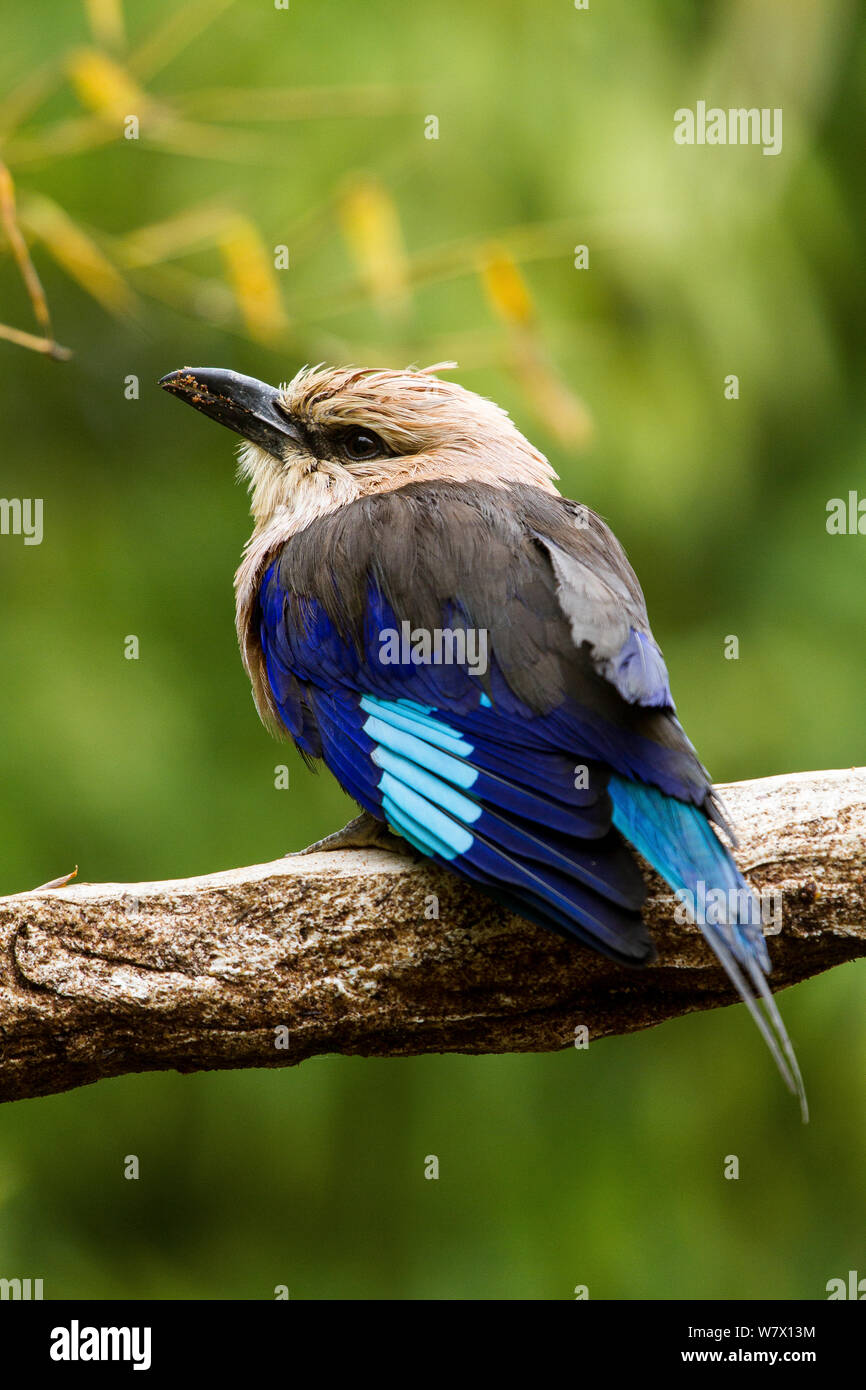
(338, 952)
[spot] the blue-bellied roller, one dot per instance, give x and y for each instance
(469, 653)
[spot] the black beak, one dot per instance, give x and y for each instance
(249, 407)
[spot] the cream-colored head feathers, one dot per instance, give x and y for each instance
(432, 429)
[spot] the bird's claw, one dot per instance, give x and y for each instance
(364, 832)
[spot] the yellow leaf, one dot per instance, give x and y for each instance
(505, 287)
(77, 253)
(253, 278)
(191, 230)
(104, 86)
(371, 226)
(105, 18)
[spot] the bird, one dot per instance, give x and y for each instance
(469, 653)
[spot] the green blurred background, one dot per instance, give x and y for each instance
(308, 128)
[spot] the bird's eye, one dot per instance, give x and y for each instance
(362, 444)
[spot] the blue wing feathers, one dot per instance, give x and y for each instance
(481, 762)
(478, 781)
(468, 779)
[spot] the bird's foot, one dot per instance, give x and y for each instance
(364, 832)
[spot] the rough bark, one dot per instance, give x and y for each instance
(337, 952)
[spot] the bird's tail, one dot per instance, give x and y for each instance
(678, 841)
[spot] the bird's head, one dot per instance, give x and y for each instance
(334, 434)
